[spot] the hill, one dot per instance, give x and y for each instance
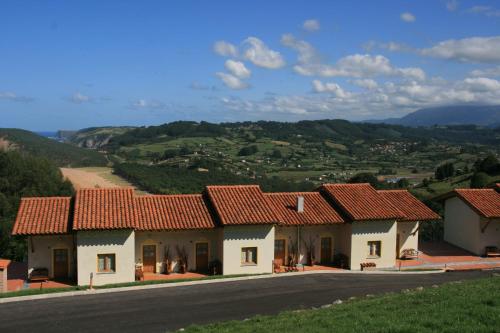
(61, 154)
(488, 116)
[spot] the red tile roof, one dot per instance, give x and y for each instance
(316, 209)
(414, 209)
(486, 202)
(4, 263)
(42, 216)
(106, 208)
(241, 204)
(173, 212)
(361, 202)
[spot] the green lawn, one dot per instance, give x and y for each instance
(471, 306)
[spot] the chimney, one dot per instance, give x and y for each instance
(300, 204)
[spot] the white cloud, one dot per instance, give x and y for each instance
(356, 65)
(473, 49)
(144, 104)
(366, 83)
(330, 87)
(79, 98)
(225, 49)
(408, 17)
(261, 55)
(311, 25)
(452, 5)
(485, 10)
(237, 68)
(231, 81)
(13, 97)
(387, 100)
(492, 72)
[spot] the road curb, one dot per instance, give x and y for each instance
(201, 282)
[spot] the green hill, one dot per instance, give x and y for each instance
(61, 154)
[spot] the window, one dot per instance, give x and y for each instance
(374, 249)
(249, 256)
(106, 263)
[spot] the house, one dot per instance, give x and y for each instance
(106, 233)
(472, 218)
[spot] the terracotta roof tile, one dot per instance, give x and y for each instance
(414, 209)
(42, 216)
(361, 202)
(241, 204)
(486, 202)
(106, 208)
(316, 209)
(4, 263)
(173, 212)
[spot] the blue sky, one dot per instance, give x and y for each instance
(75, 64)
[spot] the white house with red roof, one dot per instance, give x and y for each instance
(109, 234)
(472, 219)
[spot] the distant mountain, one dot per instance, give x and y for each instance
(488, 116)
(61, 154)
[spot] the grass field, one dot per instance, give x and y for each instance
(471, 306)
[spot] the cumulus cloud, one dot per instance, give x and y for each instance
(144, 104)
(356, 65)
(491, 72)
(237, 68)
(408, 17)
(366, 83)
(231, 81)
(329, 87)
(13, 97)
(311, 25)
(473, 49)
(387, 100)
(257, 52)
(225, 49)
(79, 98)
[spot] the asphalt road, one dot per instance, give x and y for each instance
(165, 309)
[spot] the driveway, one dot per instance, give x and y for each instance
(159, 310)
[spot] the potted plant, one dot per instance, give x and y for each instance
(293, 254)
(309, 245)
(183, 258)
(166, 260)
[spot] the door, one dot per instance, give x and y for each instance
(326, 250)
(279, 250)
(202, 257)
(149, 258)
(60, 263)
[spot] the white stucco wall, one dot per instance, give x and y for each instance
(491, 234)
(40, 252)
(186, 239)
(461, 226)
(408, 235)
(92, 243)
(3, 280)
(237, 237)
(364, 231)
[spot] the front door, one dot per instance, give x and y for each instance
(202, 257)
(279, 250)
(149, 258)
(326, 250)
(61, 263)
(398, 246)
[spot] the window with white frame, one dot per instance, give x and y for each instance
(374, 249)
(106, 263)
(249, 256)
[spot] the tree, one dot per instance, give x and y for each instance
(489, 165)
(479, 180)
(365, 177)
(403, 183)
(444, 171)
(276, 153)
(248, 150)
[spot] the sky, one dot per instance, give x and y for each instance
(77, 64)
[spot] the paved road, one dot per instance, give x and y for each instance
(159, 310)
